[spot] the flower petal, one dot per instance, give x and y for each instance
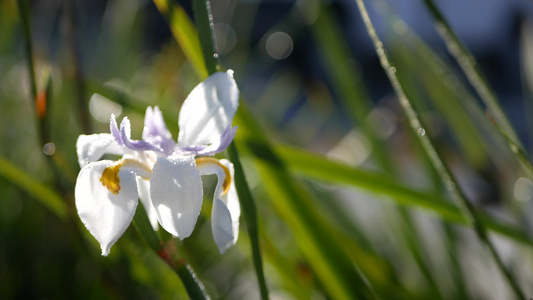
(125, 135)
(113, 128)
(105, 214)
(91, 147)
(226, 210)
(208, 110)
(144, 195)
(155, 130)
(176, 192)
(216, 147)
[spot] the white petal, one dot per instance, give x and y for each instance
(144, 194)
(105, 215)
(208, 110)
(176, 192)
(91, 147)
(226, 209)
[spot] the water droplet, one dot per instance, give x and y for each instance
(215, 55)
(421, 132)
(49, 148)
(393, 69)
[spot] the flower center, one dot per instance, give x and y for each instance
(110, 178)
(227, 180)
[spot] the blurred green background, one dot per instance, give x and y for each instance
(310, 78)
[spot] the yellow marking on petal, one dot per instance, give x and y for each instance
(110, 178)
(227, 180)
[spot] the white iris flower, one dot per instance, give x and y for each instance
(165, 175)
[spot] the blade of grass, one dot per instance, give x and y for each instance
(71, 29)
(24, 17)
(48, 197)
(449, 182)
(327, 258)
(350, 89)
(335, 54)
(317, 167)
(494, 143)
(318, 244)
(472, 71)
(204, 21)
(185, 34)
(412, 239)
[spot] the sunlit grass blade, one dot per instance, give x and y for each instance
(447, 179)
(339, 277)
(341, 70)
(474, 74)
(317, 167)
(292, 275)
(445, 100)
(458, 277)
(412, 240)
(185, 34)
(204, 21)
(344, 76)
(47, 196)
(450, 88)
(250, 213)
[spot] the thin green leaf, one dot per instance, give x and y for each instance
(204, 21)
(316, 242)
(185, 34)
(447, 179)
(317, 167)
(474, 74)
(250, 213)
(48, 197)
(341, 70)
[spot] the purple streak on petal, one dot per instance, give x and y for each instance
(125, 134)
(114, 130)
(189, 150)
(216, 147)
(222, 144)
(155, 131)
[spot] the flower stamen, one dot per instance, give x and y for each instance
(227, 181)
(110, 178)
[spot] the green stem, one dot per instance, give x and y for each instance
(71, 33)
(193, 286)
(204, 22)
(250, 213)
(445, 176)
(169, 254)
(23, 13)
